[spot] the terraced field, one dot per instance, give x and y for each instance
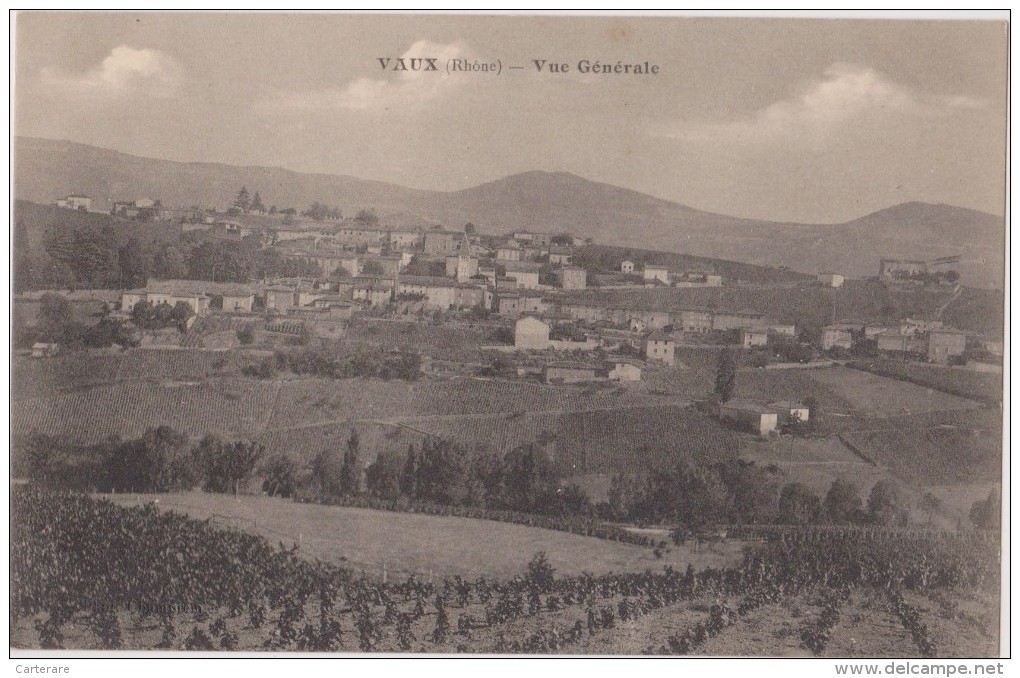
(228, 406)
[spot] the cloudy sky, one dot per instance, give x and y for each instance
(805, 120)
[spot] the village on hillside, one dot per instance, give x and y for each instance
(560, 314)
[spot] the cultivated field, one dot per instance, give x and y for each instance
(815, 462)
(237, 407)
(169, 582)
(936, 449)
(425, 545)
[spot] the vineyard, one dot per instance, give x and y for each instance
(964, 383)
(936, 449)
(139, 578)
(228, 406)
(34, 378)
(321, 400)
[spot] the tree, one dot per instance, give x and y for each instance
(227, 464)
(256, 204)
(326, 469)
(798, 505)
(350, 471)
(626, 490)
(469, 228)
(55, 317)
(409, 474)
(281, 476)
(143, 315)
(246, 335)
(842, 502)
(367, 217)
(726, 375)
(170, 262)
(242, 201)
(886, 505)
(541, 574)
(180, 314)
(753, 491)
(133, 264)
(987, 513)
(159, 461)
(383, 476)
(931, 505)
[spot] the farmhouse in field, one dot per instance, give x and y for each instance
(659, 273)
(836, 336)
(945, 344)
(898, 269)
(569, 373)
(789, 410)
(750, 337)
(44, 350)
(624, 370)
(531, 333)
(75, 201)
(831, 279)
(750, 416)
(660, 347)
(627, 267)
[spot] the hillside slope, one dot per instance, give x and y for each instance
(544, 201)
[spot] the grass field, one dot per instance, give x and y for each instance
(965, 383)
(874, 395)
(365, 539)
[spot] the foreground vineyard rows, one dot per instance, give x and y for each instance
(138, 578)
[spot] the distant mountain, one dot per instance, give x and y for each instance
(542, 201)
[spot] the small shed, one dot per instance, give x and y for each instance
(750, 416)
(44, 350)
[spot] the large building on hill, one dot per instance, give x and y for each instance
(573, 278)
(531, 333)
(439, 241)
(660, 347)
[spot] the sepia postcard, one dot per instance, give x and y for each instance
(509, 335)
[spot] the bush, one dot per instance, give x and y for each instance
(541, 572)
(246, 335)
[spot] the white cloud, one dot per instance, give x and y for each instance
(125, 71)
(405, 88)
(845, 95)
